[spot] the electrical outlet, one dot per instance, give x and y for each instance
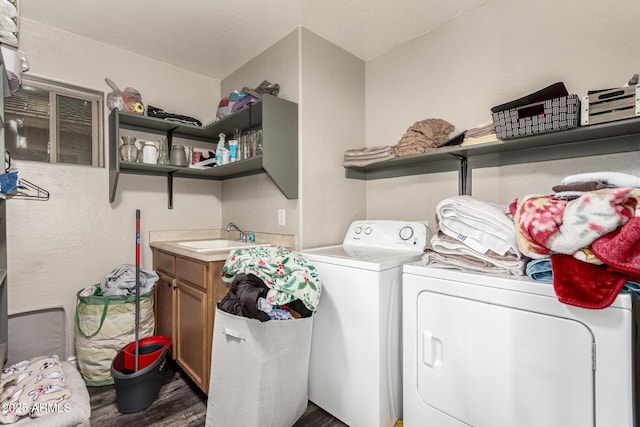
(281, 217)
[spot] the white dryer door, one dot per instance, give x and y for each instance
(492, 366)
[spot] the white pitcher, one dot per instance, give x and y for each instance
(150, 153)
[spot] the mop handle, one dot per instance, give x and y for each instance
(137, 285)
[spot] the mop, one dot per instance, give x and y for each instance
(137, 389)
(137, 321)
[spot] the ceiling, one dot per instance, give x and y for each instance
(216, 37)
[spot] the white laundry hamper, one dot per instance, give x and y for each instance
(259, 371)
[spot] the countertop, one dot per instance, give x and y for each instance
(168, 241)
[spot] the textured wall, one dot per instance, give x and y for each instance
(496, 53)
(57, 247)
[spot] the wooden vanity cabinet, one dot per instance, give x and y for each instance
(185, 304)
(165, 303)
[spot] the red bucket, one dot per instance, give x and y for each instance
(149, 349)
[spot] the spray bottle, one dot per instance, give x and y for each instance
(220, 148)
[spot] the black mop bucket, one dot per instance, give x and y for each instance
(137, 388)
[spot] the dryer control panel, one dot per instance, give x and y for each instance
(388, 234)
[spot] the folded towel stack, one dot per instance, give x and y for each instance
(474, 236)
(482, 133)
(424, 136)
(367, 155)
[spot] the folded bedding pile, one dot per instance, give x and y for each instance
(473, 235)
(586, 237)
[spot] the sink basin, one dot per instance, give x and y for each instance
(215, 245)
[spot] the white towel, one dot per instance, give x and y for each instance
(617, 179)
(480, 225)
(461, 263)
(460, 254)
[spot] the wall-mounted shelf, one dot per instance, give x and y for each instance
(606, 138)
(277, 118)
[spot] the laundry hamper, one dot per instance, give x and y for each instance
(259, 371)
(105, 324)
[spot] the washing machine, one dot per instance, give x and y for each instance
(355, 370)
(492, 351)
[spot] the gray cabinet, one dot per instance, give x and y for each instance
(606, 138)
(278, 119)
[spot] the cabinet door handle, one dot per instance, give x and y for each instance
(175, 287)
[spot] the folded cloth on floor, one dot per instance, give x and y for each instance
(480, 225)
(367, 155)
(610, 179)
(122, 281)
(447, 251)
(423, 136)
(546, 224)
(34, 387)
(288, 274)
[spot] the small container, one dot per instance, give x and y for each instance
(178, 156)
(150, 153)
(163, 152)
(128, 149)
(233, 150)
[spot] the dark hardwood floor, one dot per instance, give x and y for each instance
(179, 403)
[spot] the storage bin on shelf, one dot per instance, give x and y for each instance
(608, 105)
(541, 112)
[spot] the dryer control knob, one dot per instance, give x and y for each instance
(406, 232)
(358, 230)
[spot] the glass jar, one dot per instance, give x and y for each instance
(163, 152)
(128, 149)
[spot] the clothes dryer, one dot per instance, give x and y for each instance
(492, 351)
(355, 369)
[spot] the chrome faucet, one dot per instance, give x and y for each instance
(244, 236)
